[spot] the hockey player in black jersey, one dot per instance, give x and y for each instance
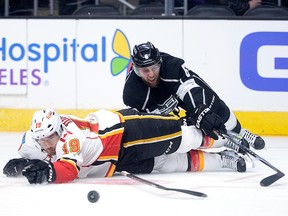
(160, 83)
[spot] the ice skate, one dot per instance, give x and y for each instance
(231, 145)
(232, 160)
(254, 140)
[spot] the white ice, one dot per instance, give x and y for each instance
(229, 193)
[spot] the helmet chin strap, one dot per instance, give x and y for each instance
(60, 131)
(136, 71)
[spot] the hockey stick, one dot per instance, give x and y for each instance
(266, 181)
(134, 177)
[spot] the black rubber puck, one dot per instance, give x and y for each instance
(93, 196)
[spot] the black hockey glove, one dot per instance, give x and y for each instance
(14, 167)
(39, 171)
(208, 122)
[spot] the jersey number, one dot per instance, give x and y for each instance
(73, 146)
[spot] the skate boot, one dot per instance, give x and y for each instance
(232, 160)
(231, 145)
(254, 140)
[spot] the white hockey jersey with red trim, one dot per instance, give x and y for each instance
(87, 147)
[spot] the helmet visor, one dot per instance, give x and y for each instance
(144, 71)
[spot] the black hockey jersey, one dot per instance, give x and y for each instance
(178, 87)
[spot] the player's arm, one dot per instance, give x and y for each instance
(135, 92)
(63, 170)
(28, 149)
(198, 113)
(42, 171)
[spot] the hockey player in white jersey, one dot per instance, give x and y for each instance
(61, 148)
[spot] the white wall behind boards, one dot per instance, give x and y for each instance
(217, 58)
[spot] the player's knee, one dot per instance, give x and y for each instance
(192, 138)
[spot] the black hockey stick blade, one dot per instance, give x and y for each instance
(266, 181)
(134, 177)
(271, 179)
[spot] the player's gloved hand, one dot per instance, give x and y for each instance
(210, 123)
(39, 171)
(14, 167)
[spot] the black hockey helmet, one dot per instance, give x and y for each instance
(145, 55)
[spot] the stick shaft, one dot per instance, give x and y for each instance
(231, 134)
(144, 181)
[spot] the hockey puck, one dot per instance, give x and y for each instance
(93, 196)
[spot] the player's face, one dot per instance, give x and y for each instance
(150, 75)
(48, 144)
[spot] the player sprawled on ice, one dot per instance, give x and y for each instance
(160, 83)
(60, 148)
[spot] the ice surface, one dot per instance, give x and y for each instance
(229, 193)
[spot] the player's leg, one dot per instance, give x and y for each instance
(232, 123)
(150, 135)
(204, 161)
(193, 138)
(197, 160)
